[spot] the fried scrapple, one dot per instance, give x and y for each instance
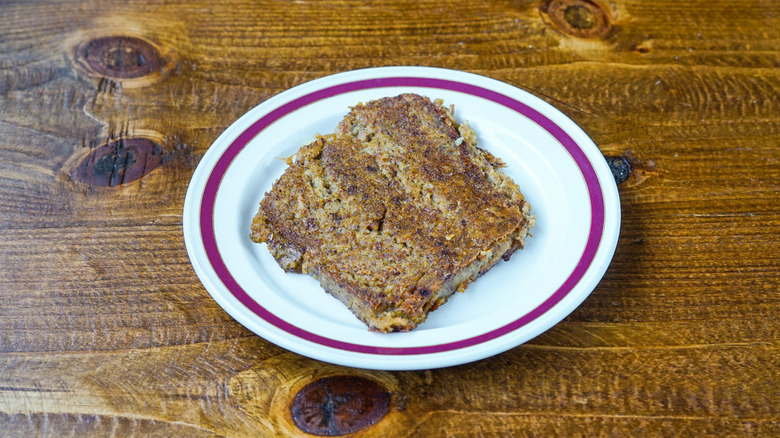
(393, 212)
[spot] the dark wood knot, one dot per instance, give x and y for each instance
(579, 18)
(638, 170)
(620, 167)
(339, 405)
(119, 162)
(120, 57)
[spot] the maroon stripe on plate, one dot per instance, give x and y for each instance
(223, 163)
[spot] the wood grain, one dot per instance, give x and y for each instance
(105, 329)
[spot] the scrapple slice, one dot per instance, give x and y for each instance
(394, 211)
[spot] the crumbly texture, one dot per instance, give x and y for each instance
(394, 211)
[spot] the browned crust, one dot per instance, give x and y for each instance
(394, 212)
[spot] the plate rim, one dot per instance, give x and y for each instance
(599, 248)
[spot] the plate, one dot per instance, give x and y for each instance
(559, 169)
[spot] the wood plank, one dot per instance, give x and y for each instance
(106, 330)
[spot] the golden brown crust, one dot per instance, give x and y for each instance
(393, 212)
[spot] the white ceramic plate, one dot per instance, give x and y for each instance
(560, 171)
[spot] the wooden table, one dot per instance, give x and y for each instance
(106, 330)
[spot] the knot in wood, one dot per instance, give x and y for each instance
(620, 167)
(339, 405)
(119, 162)
(120, 57)
(579, 18)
